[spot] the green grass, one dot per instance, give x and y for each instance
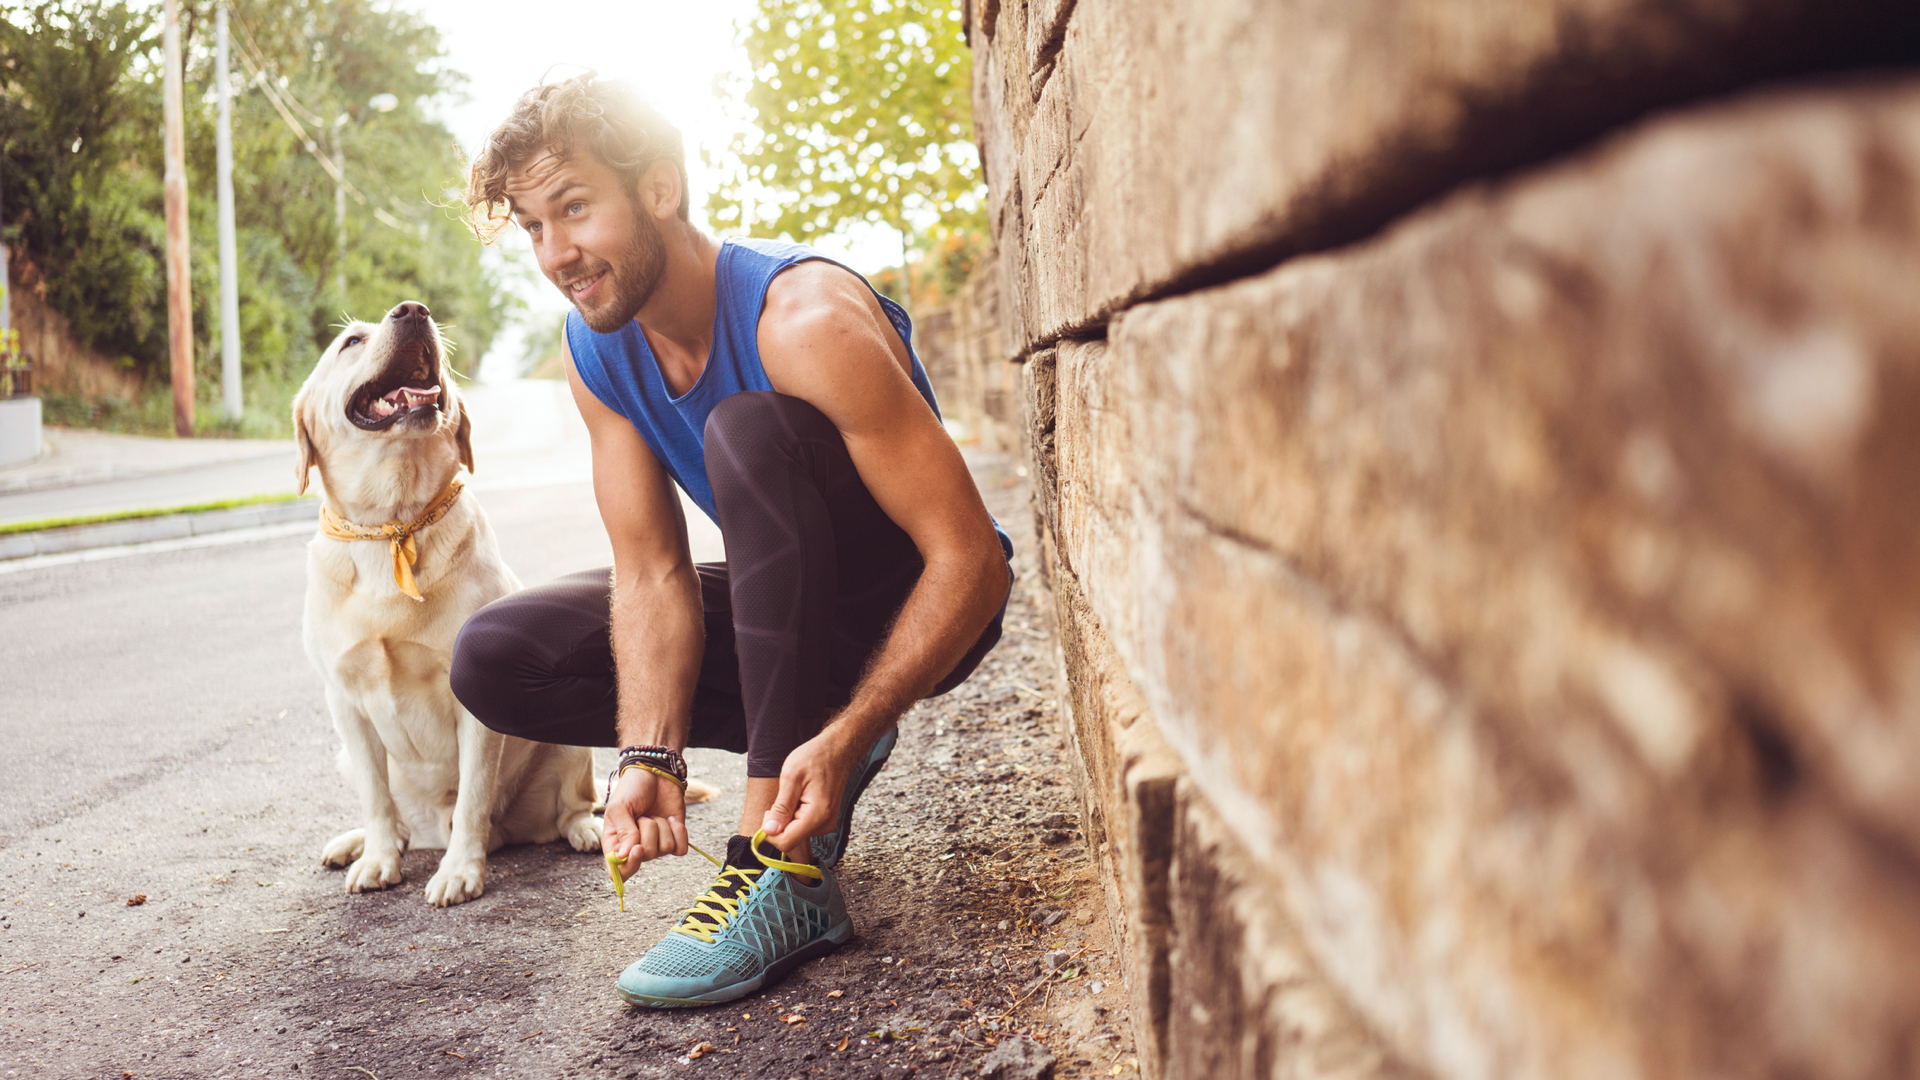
(130, 515)
(266, 413)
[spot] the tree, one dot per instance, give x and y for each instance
(80, 151)
(863, 114)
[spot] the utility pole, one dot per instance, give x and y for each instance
(229, 264)
(340, 208)
(179, 271)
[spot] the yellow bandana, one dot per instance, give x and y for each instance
(405, 553)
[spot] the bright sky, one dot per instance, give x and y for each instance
(670, 51)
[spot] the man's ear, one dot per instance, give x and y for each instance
(660, 189)
(463, 438)
(303, 441)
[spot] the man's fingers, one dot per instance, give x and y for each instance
(774, 823)
(679, 835)
(814, 817)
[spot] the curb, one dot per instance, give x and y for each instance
(166, 527)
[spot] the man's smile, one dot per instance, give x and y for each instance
(582, 288)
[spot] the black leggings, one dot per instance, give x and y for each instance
(815, 574)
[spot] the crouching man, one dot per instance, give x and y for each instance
(863, 572)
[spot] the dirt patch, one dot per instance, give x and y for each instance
(977, 907)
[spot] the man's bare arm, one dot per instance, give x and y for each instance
(657, 627)
(824, 339)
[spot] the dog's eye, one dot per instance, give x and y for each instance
(352, 341)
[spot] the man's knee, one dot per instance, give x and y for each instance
(486, 656)
(754, 427)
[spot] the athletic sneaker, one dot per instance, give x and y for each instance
(761, 919)
(828, 847)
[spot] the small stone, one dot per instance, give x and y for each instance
(1053, 917)
(1057, 821)
(1055, 838)
(1096, 986)
(1017, 1058)
(1004, 926)
(1057, 959)
(886, 959)
(958, 1013)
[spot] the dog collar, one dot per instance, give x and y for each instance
(398, 536)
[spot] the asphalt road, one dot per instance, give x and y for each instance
(166, 736)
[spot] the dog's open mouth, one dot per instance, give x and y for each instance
(408, 388)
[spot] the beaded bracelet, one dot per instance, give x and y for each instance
(619, 770)
(664, 758)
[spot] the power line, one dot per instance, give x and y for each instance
(261, 80)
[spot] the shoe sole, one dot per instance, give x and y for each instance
(844, 834)
(774, 972)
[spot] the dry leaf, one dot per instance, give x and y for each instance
(843, 1043)
(836, 993)
(700, 1051)
(136, 899)
(793, 1018)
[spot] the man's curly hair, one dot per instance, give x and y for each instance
(555, 120)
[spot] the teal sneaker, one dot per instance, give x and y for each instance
(828, 847)
(762, 918)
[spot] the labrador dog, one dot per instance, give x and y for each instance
(388, 432)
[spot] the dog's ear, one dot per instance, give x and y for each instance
(463, 438)
(303, 441)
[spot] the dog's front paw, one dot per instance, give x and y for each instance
(344, 848)
(459, 879)
(374, 870)
(583, 832)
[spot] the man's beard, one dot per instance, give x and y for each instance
(630, 279)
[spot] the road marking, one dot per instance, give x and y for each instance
(151, 547)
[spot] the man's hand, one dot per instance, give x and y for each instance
(646, 818)
(811, 782)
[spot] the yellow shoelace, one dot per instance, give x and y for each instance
(620, 883)
(719, 908)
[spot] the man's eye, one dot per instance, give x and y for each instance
(533, 228)
(574, 208)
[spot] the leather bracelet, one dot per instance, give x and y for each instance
(620, 770)
(664, 758)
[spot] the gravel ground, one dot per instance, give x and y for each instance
(977, 913)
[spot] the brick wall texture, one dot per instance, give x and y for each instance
(1477, 450)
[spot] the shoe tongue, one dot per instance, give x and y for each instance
(740, 853)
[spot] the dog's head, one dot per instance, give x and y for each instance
(380, 389)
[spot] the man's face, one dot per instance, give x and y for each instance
(592, 238)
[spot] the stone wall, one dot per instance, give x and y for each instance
(1475, 449)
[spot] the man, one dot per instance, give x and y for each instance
(863, 572)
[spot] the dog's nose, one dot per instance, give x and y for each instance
(407, 309)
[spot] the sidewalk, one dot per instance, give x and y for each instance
(526, 433)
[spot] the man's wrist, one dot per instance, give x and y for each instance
(657, 758)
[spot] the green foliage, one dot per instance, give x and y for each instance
(81, 153)
(864, 114)
(940, 273)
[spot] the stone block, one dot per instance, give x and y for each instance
(1248, 1001)
(1535, 587)
(1210, 138)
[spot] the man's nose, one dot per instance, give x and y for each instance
(408, 309)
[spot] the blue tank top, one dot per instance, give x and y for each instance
(620, 370)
